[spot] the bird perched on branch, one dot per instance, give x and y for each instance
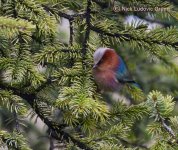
(109, 70)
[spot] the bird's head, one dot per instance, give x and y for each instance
(105, 58)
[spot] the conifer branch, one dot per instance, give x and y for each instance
(101, 4)
(164, 125)
(164, 23)
(87, 33)
(128, 37)
(167, 128)
(29, 37)
(126, 143)
(14, 140)
(15, 15)
(43, 85)
(64, 15)
(56, 128)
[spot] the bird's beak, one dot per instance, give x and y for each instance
(95, 65)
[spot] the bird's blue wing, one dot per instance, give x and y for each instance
(123, 75)
(122, 71)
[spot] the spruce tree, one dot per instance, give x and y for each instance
(46, 75)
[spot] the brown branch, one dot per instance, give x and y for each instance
(164, 125)
(71, 17)
(64, 15)
(167, 128)
(71, 32)
(87, 33)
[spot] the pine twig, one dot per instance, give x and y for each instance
(87, 33)
(128, 37)
(65, 15)
(164, 125)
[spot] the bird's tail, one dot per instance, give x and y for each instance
(134, 84)
(135, 90)
(130, 83)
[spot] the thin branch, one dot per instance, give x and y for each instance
(164, 125)
(81, 15)
(15, 15)
(87, 33)
(71, 32)
(71, 17)
(16, 122)
(64, 15)
(51, 143)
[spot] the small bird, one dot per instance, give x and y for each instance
(109, 70)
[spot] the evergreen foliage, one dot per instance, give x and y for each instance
(43, 76)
